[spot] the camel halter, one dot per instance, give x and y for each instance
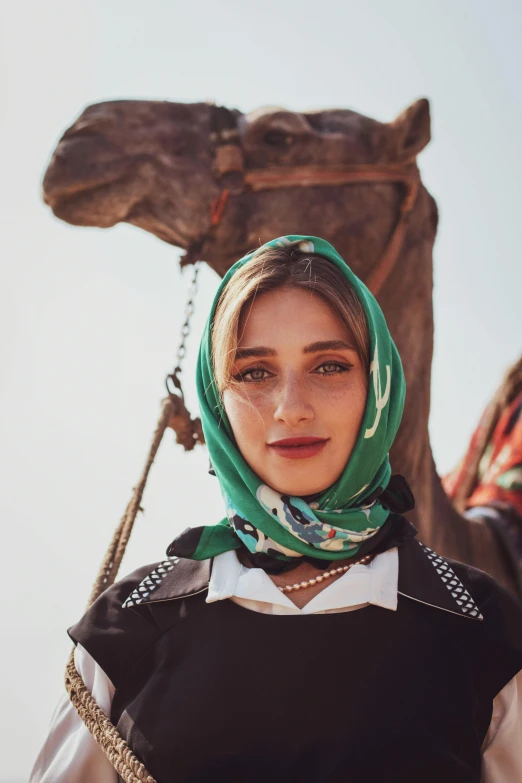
(311, 176)
(233, 180)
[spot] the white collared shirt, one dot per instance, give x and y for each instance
(375, 583)
(71, 755)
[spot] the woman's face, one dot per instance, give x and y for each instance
(299, 394)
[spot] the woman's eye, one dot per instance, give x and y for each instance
(333, 368)
(255, 375)
(260, 375)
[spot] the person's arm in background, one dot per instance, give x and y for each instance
(502, 748)
(70, 753)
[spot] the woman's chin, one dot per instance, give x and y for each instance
(298, 489)
(293, 479)
(298, 479)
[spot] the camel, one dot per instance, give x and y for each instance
(217, 182)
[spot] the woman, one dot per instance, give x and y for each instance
(308, 636)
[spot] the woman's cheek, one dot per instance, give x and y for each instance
(245, 411)
(347, 406)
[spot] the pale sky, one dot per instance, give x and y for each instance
(90, 318)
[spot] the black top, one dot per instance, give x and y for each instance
(215, 692)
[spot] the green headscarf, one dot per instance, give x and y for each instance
(346, 514)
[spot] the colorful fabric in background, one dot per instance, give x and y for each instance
(345, 516)
(499, 476)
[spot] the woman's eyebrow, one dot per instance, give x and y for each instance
(328, 345)
(261, 351)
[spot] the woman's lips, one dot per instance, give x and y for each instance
(298, 448)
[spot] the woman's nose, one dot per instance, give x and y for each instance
(292, 405)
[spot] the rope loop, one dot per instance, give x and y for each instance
(127, 765)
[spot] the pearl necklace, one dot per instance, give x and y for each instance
(326, 575)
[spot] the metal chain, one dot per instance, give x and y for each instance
(185, 331)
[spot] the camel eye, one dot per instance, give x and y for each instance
(277, 138)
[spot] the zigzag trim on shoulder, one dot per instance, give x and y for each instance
(150, 583)
(462, 597)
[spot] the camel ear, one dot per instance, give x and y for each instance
(412, 129)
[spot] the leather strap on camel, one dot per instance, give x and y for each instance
(233, 177)
(357, 174)
(406, 174)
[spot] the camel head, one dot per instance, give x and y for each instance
(153, 164)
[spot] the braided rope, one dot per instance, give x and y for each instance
(130, 769)
(127, 765)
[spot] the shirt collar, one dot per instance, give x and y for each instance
(375, 583)
(423, 576)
